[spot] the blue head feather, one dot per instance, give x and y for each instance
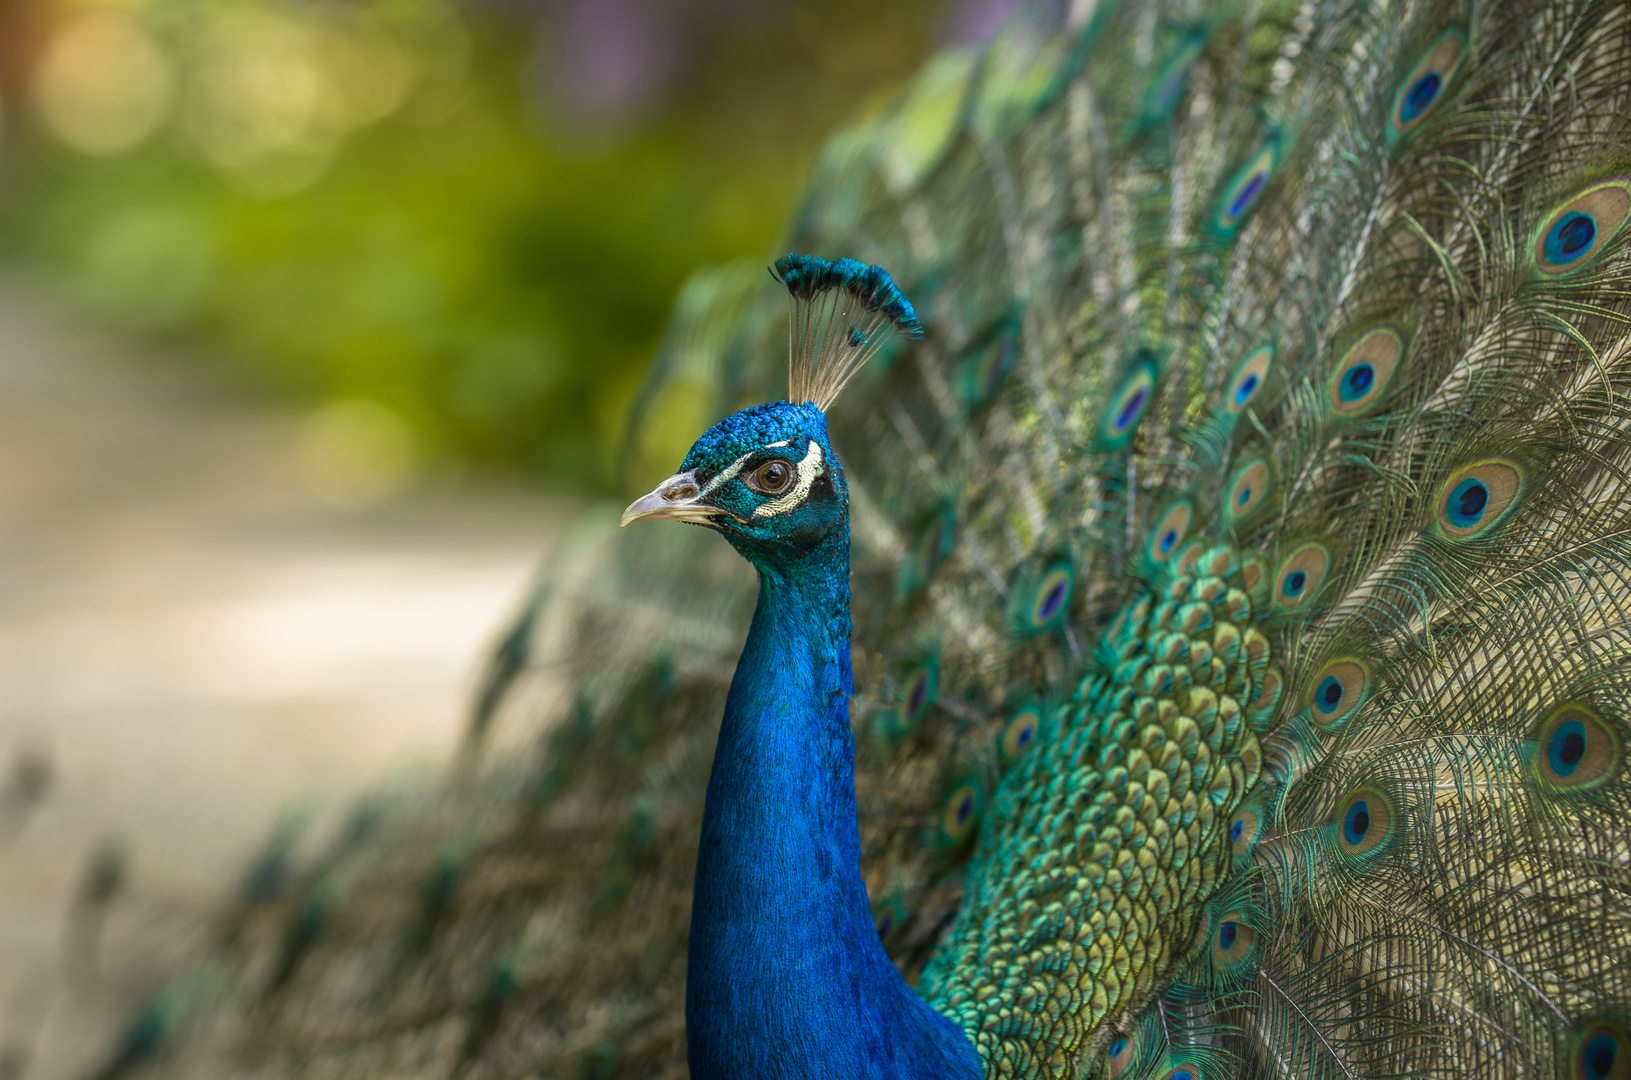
(807, 277)
(843, 313)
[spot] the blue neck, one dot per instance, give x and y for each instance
(786, 976)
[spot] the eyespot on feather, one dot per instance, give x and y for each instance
(1186, 1071)
(1365, 822)
(1019, 733)
(1121, 1054)
(1050, 599)
(888, 916)
(917, 694)
(1427, 85)
(1364, 371)
(1574, 234)
(1248, 489)
(1170, 530)
(1599, 1050)
(1576, 749)
(1168, 85)
(1126, 408)
(1247, 381)
(961, 813)
(1244, 829)
(1232, 940)
(1475, 498)
(1300, 576)
(1336, 691)
(1245, 189)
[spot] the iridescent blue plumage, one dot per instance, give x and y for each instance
(806, 277)
(787, 976)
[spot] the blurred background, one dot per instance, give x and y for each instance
(318, 321)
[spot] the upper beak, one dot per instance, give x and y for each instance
(675, 498)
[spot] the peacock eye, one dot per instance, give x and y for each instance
(771, 478)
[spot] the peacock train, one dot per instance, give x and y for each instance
(1195, 644)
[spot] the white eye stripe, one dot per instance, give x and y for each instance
(727, 473)
(809, 469)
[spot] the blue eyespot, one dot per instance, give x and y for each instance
(1420, 97)
(1466, 503)
(1248, 194)
(1119, 1047)
(918, 694)
(1169, 530)
(1570, 238)
(1168, 85)
(1227, 934)
(1338, 690)
(1246, 187)
(1020, 732)
(1243, 832)
(1248, 378)
(1051, 597)
(1578, 231)
(1420, 91)
(1598, 1056)
(1567, 747)
(961, 812)
(1129, 412)
(1295, 582)
(1126, 407)
(1361, 376)
(1356, 381)
(1248, 488)
(1576, 750)
(1356, 823)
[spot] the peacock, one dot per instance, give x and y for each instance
(1195, 644)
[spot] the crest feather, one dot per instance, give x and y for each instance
(843, 311)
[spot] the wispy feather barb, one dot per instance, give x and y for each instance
(843, 312)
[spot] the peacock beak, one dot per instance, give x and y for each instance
(678, 499)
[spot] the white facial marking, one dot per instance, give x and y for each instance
(727, 473)
(810, 468)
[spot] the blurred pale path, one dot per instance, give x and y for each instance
(194, 639)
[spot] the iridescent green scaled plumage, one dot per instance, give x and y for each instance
(1241, 577)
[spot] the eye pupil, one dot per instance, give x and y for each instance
(774, 476)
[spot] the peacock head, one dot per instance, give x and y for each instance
(767, 477)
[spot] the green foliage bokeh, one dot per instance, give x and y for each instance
(497, 275)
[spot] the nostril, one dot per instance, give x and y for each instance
(686, 492)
